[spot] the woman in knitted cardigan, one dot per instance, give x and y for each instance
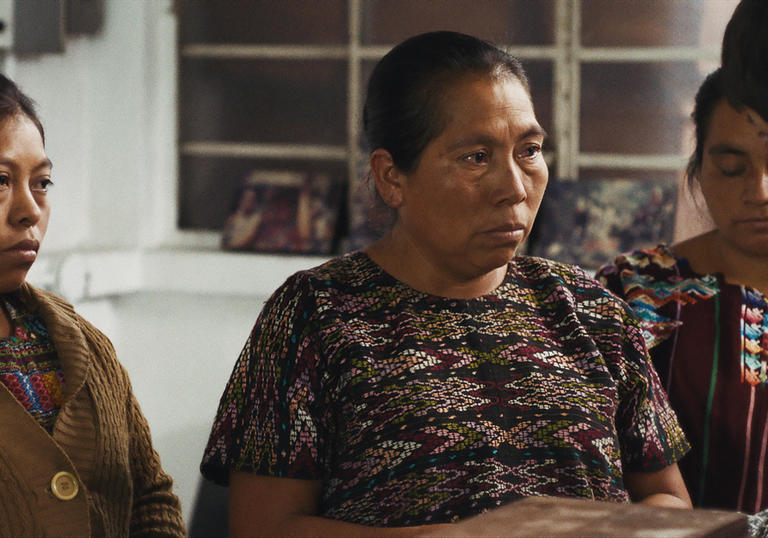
(76, 458)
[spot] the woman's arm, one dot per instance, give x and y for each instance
(659, 488)
(269, 506)
(156, 509)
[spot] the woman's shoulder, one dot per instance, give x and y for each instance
(644, 271)
(79, 344)
(348, 270)
(541, 269)
(351, 266)
(656, 261)
(550, 277)
(60, 317)
(347, 275)
(557, 285)
(646, 268)
(36, 299)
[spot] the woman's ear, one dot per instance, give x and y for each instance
(389, 180)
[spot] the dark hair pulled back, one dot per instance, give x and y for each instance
(710, 93)
(14, 102)
(745, 56)
(402, 113)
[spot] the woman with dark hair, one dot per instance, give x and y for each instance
(703, 307)
(702, 301)
(434, 375)
(76, 457)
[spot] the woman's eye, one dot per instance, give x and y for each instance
(4, 180)
(531, 151)
(731, 165)
(733, 172)
(478, 157)
(43, 185)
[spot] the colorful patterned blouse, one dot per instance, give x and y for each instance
(415, 409)
(29, 366)
(709, 342)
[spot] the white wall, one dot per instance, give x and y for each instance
(108, 107)
(179, 350)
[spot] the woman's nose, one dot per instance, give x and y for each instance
(757, 191)
(511, 186)
(25, 211)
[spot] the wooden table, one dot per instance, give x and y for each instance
(551, 516)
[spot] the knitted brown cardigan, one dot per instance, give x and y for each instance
(100, 437)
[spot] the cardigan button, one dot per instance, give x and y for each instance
(64, 486)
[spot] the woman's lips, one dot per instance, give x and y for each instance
(512, 233)
(759, 225)
(23, 251)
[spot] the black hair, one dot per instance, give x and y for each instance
(13, 102)
(401, 112)
(710, 93)
(745, 56)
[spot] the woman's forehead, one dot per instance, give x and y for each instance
(487, 105)
(738, 126)
(760, 124)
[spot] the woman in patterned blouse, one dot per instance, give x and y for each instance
(704, 312)
(702, 302)
(435, 376)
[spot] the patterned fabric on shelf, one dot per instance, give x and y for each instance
(29, 366)
(415, 409)
(709, 342)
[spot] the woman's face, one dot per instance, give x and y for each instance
(734, 179)
(25, 173)
(473, 197)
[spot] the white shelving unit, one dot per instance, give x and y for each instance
(172, 260)
(95, 275)
(566, 54)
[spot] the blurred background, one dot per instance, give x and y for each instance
(158, 114)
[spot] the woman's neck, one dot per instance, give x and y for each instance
(5, 324)
(408, 264)
(708, 253)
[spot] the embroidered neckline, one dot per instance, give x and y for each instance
(754, 337)
(646, 297)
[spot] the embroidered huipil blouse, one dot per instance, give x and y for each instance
(414, 409)
(709, 342)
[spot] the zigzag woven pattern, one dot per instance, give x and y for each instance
(650, 284)
(412, 408)
(647, 295)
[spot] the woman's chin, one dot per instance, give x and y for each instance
(503, 251)
(753, 247)
(506, 253)
(11, 282)
(499, 258)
